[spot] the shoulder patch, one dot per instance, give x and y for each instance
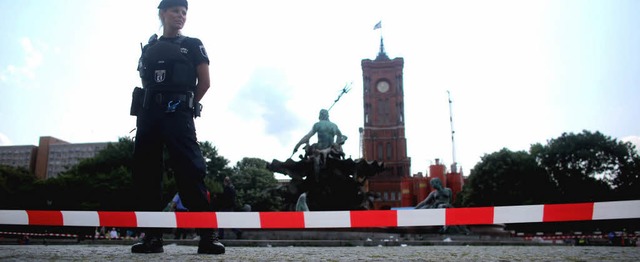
(203, 51)
(153, 39)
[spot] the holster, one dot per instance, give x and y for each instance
(197, 109)
(137, 101)
(145, 98)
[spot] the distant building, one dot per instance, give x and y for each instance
(417, 188)
(64, 156)
(51, 157)
(383, 138)
(19, 156)
(383, 135)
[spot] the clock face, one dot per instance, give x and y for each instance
(383, 86)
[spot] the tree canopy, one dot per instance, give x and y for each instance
(256, 185)
(16, 188)
(102, 182)
(508, 178)
(584, 167)
(590, 166)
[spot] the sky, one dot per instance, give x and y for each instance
(517, 72)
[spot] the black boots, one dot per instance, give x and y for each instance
(149, 244)
(209, 244)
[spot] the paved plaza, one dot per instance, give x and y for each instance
(174, 252)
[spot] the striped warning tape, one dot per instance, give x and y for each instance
(330, 219)
(39, 234)
(566, 237)
(58, 235)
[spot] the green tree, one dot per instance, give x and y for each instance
(627, 183)
(16, 188)
(256, 185)
(590, 166)
(507, 178)
(104, 182)
(99, 183)
(217, 167)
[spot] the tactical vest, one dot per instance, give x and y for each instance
(166, 68)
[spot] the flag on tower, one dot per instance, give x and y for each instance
(378, 25)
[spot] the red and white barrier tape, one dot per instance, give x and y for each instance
(564, 237)
(330, 219)
(39, 234)
(58, 235)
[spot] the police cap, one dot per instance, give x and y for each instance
(171, 3)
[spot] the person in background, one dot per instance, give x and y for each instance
(177, 206)
(113, 234)
(228, 204)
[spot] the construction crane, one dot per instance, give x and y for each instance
(453, 144)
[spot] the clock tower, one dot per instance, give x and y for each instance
(383, 135)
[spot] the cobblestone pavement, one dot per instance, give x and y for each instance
(175, 252)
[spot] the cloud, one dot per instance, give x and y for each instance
(4, 140)
(265, 97)
(33, 59)
(635, 140)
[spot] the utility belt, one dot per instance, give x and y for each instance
(169, 101)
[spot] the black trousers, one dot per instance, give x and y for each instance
(155, 130)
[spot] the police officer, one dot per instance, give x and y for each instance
(175, 75)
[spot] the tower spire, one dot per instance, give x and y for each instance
(382, 55)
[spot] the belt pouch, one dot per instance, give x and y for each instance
(137, 101)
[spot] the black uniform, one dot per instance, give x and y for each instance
(165, 119)
(168, 71)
